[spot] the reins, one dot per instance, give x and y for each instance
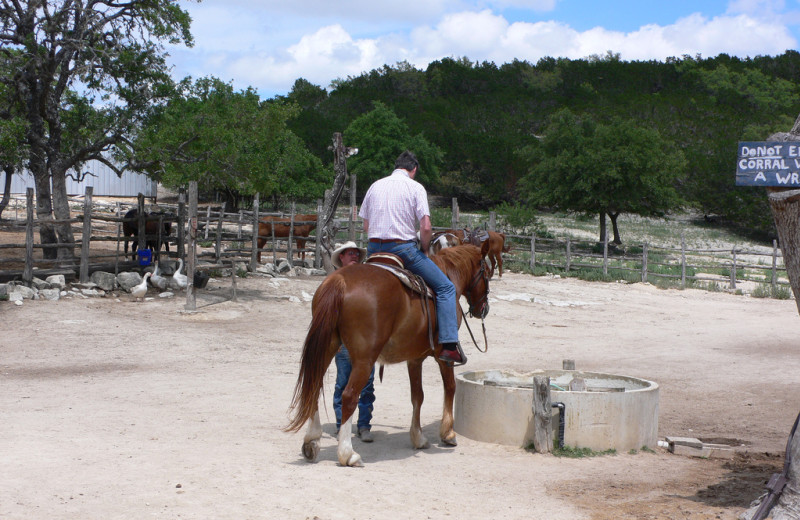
(483, 324)
(481, 274)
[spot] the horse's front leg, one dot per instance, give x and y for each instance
(418, 440)
(446, 432)
(311, 440)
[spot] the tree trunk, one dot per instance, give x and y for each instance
(326, 230)
(66, 254)
(9, 171)
(44, 206)
(602, 226)
(614, 227)
(785, 205)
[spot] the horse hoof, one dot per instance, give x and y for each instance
(452, 441)
(311, 450)
(355, 461)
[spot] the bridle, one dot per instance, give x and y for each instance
(482, 304)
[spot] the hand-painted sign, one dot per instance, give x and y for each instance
(768, 163)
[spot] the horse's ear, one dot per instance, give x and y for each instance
(485, 247)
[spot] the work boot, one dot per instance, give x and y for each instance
(452, 354)
(365, 435)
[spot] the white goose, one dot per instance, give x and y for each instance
(180, 279)
(138, 291)
(158, 280)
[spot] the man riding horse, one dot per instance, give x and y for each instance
(391, 209)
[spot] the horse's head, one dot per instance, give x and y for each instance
(478, 291)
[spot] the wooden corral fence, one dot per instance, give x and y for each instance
(226, 239)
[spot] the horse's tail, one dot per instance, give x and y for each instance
(315, 360)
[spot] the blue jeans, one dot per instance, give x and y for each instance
(418, 263)
(365, 400)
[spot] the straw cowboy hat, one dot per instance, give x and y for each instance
(362, 253)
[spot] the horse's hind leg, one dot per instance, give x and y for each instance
(311, 439)
(418, 439)
(446, 431)
(358, 378)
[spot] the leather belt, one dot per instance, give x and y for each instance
(388, 241)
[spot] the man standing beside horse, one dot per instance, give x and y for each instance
(348, 254)
(392, 208)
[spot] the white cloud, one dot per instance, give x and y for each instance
(252, 52)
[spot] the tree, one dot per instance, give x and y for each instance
(230, 142)
(108, 51)
(380, 137)
(610, 169)
(12, 142)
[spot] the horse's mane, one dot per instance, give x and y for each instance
(457, 261)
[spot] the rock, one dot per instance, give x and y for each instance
(127, 280)
(21, 292)
(283, 266)
(92, 292)
(106, 281)
(50, 294)
(310, 271)
(57, 280)
(3, 290)
(18, 302)
(40, 284)
(166, 294)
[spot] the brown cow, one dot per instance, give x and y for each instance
(301, 231)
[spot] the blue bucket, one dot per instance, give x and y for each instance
(145, 257)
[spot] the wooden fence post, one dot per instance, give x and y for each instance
(644, 263)
(191, 298)
(87, 234)
(318, 242)
(119, 232)
(353, 208)
(774, 264)
(533, 251)
(492, 221)
(454, 217)
(254, 251)
(733, 269)
(542, 415)
(181, 222)
(289, 249)
(208, 222)
(568, 261)
(605, 253)
(683, 261)
(140, 224)
(27, 272)
(218, 244)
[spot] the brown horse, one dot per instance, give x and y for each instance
(497, 247)
(130, 228)
(281, 227)
(380, 320)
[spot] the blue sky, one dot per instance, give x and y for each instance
(268, 44)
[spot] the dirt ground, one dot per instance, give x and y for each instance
(118, 409)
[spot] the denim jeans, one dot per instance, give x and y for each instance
(365, 399)
(418, 263)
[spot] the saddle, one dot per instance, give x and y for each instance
(478, 237)
(394, 264)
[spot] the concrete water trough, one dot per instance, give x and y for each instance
(602, 412)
